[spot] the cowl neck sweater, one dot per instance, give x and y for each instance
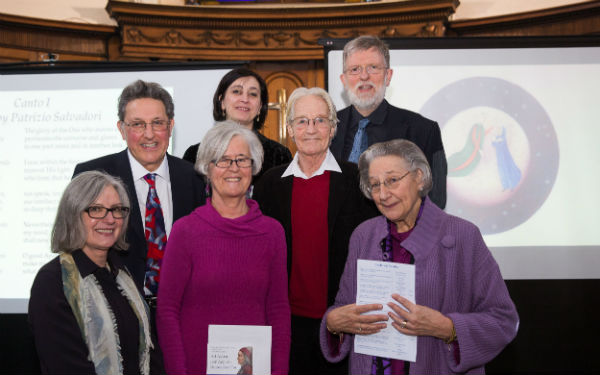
(219, 270)
(243, 226)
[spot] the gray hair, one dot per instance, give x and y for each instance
(140, 90)
(69, 232)
(364, 43)
(301, 92)
(409, 152)
(216, 140)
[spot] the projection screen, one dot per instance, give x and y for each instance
(519, 125)
(55, 117)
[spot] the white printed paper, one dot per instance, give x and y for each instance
(226, 342)
(376, 282)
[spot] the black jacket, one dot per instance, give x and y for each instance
(347, 208)
(187, 190)
(388, 122)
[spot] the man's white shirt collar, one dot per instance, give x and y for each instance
(163, 189)
(329, 164)
(138, 171)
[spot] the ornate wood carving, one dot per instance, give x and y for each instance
(267, 32)
(574, 19)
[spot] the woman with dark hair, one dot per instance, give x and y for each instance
(242, 96)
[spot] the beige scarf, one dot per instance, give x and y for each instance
(97, 322)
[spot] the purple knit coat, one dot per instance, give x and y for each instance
(456, 275)
(222, 271)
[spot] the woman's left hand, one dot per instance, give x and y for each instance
(419, 320)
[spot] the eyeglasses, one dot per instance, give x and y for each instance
(371, 69)
(240, 162)
(319, 122)
(100, 212)
(140, 126)
(390, 183)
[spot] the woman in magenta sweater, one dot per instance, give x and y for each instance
(225, 263)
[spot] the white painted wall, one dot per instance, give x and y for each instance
(489, 8)
(81, 11)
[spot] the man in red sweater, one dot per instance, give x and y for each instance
(318, 202)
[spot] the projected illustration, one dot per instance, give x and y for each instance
(501, 149)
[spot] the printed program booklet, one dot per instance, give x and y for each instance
(239, 349)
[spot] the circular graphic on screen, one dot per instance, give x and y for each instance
(501, 149)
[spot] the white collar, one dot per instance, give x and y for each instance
(329, 164)
(138, 171)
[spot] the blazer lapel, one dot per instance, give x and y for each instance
(337, 192)
(180, 189)
(337, 146)
(124, 171)
(284, 202)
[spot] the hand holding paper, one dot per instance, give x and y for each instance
(352, 319)
(377, 281)
(420, 320)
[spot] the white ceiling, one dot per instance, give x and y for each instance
(93, 11)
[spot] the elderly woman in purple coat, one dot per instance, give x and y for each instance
(462, 316)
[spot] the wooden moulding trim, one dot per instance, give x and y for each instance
(62, 42)
(312, 23)
(323, 23)
(309, 14)
(100, 54)
(586, 9)
(38, 23)
(195, 40)
(223, 54)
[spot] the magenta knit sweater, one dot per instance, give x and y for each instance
(222, 271)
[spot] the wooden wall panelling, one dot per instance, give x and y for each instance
(31, 39)
(281, 85)
(574, 19)
(282, 79)
(267, 32)
(16, 55)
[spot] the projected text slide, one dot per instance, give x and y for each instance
(44, 134)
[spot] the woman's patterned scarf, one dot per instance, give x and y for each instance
(379, 365)
(97, 322)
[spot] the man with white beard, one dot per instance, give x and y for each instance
(371, 119)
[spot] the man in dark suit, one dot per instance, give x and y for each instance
(371, 119)
(146, 113)
(318, 202)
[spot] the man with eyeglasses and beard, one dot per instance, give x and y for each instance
(371, 119)
(162, 188)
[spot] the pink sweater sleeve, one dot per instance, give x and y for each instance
(174, 274)
(278, 307)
